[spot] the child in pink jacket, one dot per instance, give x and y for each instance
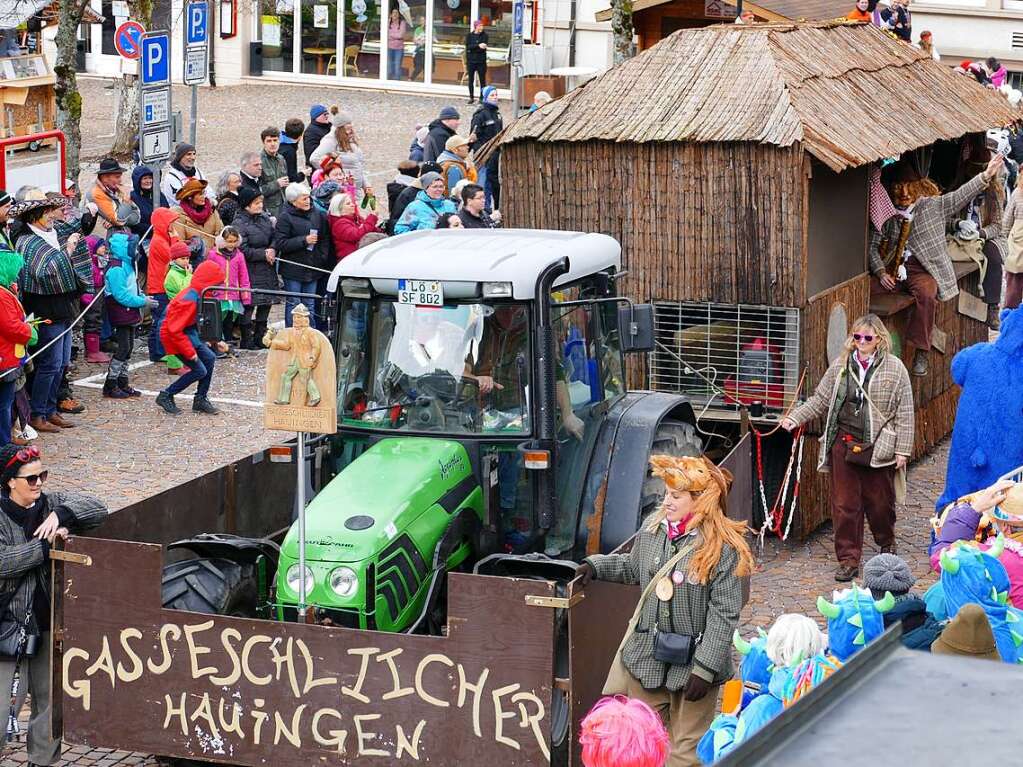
(94, 318)
(228, 256)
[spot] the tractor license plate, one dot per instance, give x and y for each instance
(420, 293)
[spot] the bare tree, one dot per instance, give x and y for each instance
(126, 91)
(622, 30)
(69, 100)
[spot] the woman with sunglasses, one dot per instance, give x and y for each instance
(868, 436)
(30, 523)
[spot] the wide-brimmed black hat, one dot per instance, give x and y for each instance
(110, 165)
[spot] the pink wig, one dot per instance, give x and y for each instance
(623, 732)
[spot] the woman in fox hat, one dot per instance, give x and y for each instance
(689, 558)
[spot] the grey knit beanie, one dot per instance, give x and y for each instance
(887, 572)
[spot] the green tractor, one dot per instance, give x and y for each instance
(483, 424)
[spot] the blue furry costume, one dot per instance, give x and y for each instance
(854, 619)
(987, 439)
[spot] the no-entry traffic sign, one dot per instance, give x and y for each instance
(128, 39)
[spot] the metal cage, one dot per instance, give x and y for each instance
(726, 355)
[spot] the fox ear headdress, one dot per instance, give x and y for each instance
(708, 485)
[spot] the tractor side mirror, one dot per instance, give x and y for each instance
(636, 327)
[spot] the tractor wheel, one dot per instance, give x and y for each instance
(672, 438)
(211, 586)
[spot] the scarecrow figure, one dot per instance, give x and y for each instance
(304, 344)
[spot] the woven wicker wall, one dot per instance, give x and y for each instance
(699, 222)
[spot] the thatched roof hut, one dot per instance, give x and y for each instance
(732, 163)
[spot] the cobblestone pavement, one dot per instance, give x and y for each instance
(127, 450)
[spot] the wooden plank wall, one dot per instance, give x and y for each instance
(697, 222)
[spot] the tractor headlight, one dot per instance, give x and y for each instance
(292, 579)
(343, 581)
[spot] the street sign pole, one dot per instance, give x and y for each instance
(155, 105)
(518, 13)
(196, 55)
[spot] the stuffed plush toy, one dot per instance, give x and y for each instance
(854, 619)
(987, 439)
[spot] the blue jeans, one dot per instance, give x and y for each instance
(156, 351)
(394, 59)
(6, 404)
(508, 467)
(200, 369)
(50, 368)
(290, 302)
(484, 181)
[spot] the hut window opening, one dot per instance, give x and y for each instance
(726, 355)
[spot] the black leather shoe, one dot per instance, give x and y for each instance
(203, 405)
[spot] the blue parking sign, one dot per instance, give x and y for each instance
(196, 27)
(156, 58)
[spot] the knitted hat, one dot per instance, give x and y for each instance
(428, 178)
(339, 118)
(5, 198)
(325, 191)
(449, 113)
(487, 91)
(179, 250)
(191, 187)
(10, 465)
(247, 194)
(316, 110)
(454, 142)
(887, 572)
(421, 135)
(181, 150)
(968, 634)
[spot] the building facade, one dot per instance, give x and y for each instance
(974, 29)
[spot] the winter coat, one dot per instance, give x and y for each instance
(919, 627)
(185, 228)
(48, 282)
(178, 332)
(24, 561)
(473, 53)
(348, 230)
(422, 213)
(107, 202)
(710, 610)
(415, 151)
(487, 123)
(405, 196)
(123, 299)
(482, 221)
(439, 135)
(14, 331)
(890, 392)
(274, 167)
(289, 151)
(93, 244)
(143, 200)
(159, 249)
(314, 133)
(454, 169)
(257, 235)
(178, 278)
(289, 241)
(354, 162)
(173, 177)
(233, 265)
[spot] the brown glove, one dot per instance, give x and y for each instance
(586, 572)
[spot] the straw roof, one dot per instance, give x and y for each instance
(849, 93)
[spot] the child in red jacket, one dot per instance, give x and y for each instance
(15, 335)
(179, 334)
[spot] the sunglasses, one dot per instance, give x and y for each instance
(34, 479)
(863, 337)
(26, 455)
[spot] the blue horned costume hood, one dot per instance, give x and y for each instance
(971, 575)
(854, 619)
(987, 438)
(755, 669)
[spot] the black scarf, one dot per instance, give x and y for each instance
(187, 171)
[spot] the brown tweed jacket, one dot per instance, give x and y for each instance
(891, 392)
(927, 235)
(710, 610)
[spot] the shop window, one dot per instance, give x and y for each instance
(497, 22)
(319, 37)
(277, 29)
(361, 39)
(406, 41)
(415, 56)
(451, 20)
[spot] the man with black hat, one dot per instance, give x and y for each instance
(441, 129)
(115, 208)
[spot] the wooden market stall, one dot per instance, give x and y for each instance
(732, 163)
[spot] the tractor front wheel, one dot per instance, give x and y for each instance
(211, 586)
